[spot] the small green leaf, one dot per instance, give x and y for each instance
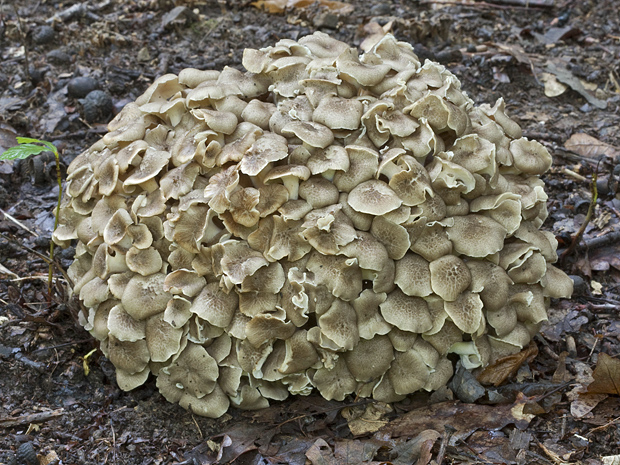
(28, 140)
(27, 147)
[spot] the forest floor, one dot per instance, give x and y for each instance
(556, 64)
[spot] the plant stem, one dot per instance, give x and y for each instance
(59, 179)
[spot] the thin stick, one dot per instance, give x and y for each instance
(586, 221)
(18, 223)
(24, 42)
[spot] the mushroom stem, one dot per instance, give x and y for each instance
(389, 169)
(292, 186)
(470, 357)
(329, 174)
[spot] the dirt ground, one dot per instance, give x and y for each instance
(557, 65)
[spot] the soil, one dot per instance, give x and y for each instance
(59, 399)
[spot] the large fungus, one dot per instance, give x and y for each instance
(324, 220)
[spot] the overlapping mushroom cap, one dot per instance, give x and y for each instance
(324, 220)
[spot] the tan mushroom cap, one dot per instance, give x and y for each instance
(476, 235)
(339, 324)
(491, 282)
(369, 319)
(373, 197)
(408, 372)
(530, 156)
(449, 277)
(123, 327)
(363, 163)
(370, 359)
(408, 313)
(339, 113)
(466, 312)
(432, 243)
(268, 148)
(557, 284)
(144, 296)
(194, 371)
(162, 339)
(394, 237)
(215, 306)
(131, 357)
(290, 176)
(213, 405)
(413, 275)
(318, 192)
(144, 261)
(310, 133)
(336, 383)
(300, 354)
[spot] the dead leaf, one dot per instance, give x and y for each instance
(553, 87)
(606, 376)
(565, 76)
(611, 460)
(416, 449)
(584, 403)
(279, 6)
(505, 367)
(363, 419)
(50, 458)
(320, 453)
(555, 34)
(355, 451)
(590, 147)
(271, 6)
(519, 54)
(465, 418)
(237, 441)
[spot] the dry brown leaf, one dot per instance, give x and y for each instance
(271, 6)
(278, 6)
(585, 403)
(606, 376)
(366, 419)
(553, 87)
(505, 367)
(565, 76)
(320, 453)
(465, 418)
(590, 147)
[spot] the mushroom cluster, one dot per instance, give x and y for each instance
(324, 220)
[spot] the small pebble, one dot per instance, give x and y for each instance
(325, 19)
(26, 454)
(97, 106)
(36, 75)
(43, 35)
(58, 57)
(449, 56)
(81, 86)
(423, 52)
(381, 9)
(579, 285)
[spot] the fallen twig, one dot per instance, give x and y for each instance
(601, 241)
(18, 223)
(10, 422)
(586, 221)
(509, 5)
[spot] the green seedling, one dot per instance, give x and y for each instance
(26, 148)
